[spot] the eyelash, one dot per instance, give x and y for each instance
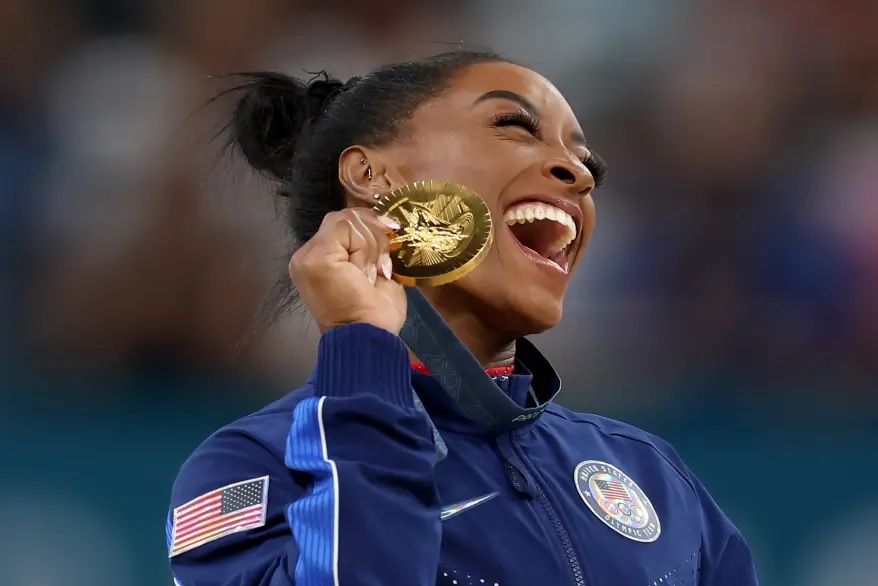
(520, 119)
(598, 168)
(594, 163)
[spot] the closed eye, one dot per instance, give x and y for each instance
(520, 119)
(594, 163)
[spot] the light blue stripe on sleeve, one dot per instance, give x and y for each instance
(314, 518)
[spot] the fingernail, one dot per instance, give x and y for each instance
(389, 222)
(386, 266)
(372, 273)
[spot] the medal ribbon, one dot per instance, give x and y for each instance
(460, 374)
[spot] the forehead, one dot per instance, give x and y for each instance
(476, 80)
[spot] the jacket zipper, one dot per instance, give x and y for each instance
(562, 535)
(531, 485)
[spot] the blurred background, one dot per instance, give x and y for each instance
(729, 300)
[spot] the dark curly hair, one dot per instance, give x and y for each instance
(294, 131)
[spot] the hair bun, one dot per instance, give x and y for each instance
(321, 92)
(272, 112)
(267, 121)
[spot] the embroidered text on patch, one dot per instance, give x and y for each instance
(232, 508)
(617, 500)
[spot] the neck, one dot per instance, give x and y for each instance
(500, 358)
(491, 347)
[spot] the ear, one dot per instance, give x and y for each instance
(365, 171)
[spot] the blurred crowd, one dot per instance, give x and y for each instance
(737, 234)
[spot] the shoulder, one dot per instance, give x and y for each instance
(227, 507)
(641, 454)
(674, 490)
(619, 437)
(261, 433)
(260, 436)
(244, 451)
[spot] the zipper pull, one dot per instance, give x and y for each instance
(520, 482)
(514, 467)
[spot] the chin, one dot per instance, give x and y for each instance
(506, 306)
(534, 316)
(545, 320)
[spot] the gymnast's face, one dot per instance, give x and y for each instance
(509, 135)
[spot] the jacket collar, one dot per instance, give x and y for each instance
(534, 386)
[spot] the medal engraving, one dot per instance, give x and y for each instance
(446, 231)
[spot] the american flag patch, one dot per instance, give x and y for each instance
(613, 489)
(232, 508)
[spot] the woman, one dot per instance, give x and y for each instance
(342, 481)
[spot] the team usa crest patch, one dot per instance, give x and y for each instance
(616, 500)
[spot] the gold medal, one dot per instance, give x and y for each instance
(446, 231)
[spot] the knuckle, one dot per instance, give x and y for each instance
(330, 219)
(305, 262)
(296, 265)
(367, 213)
(350, 214)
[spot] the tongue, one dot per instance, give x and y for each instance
(538, 235)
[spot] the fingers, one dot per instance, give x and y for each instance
(388, 227)
(358, 236)
(371, 250)
(366, 256)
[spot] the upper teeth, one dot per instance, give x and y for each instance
(536, 210)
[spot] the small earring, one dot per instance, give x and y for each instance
(369, 173)
(376, 196)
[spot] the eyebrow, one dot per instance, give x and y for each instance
(576, 136)
(510, 96)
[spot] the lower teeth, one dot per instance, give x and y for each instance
(559, 258)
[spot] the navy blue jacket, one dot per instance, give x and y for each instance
(339, 483)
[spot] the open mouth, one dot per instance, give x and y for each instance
(543, 229)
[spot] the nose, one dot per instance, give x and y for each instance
(573, 174)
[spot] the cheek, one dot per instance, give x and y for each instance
(588, 224)
(476, 164)
(589, 216)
